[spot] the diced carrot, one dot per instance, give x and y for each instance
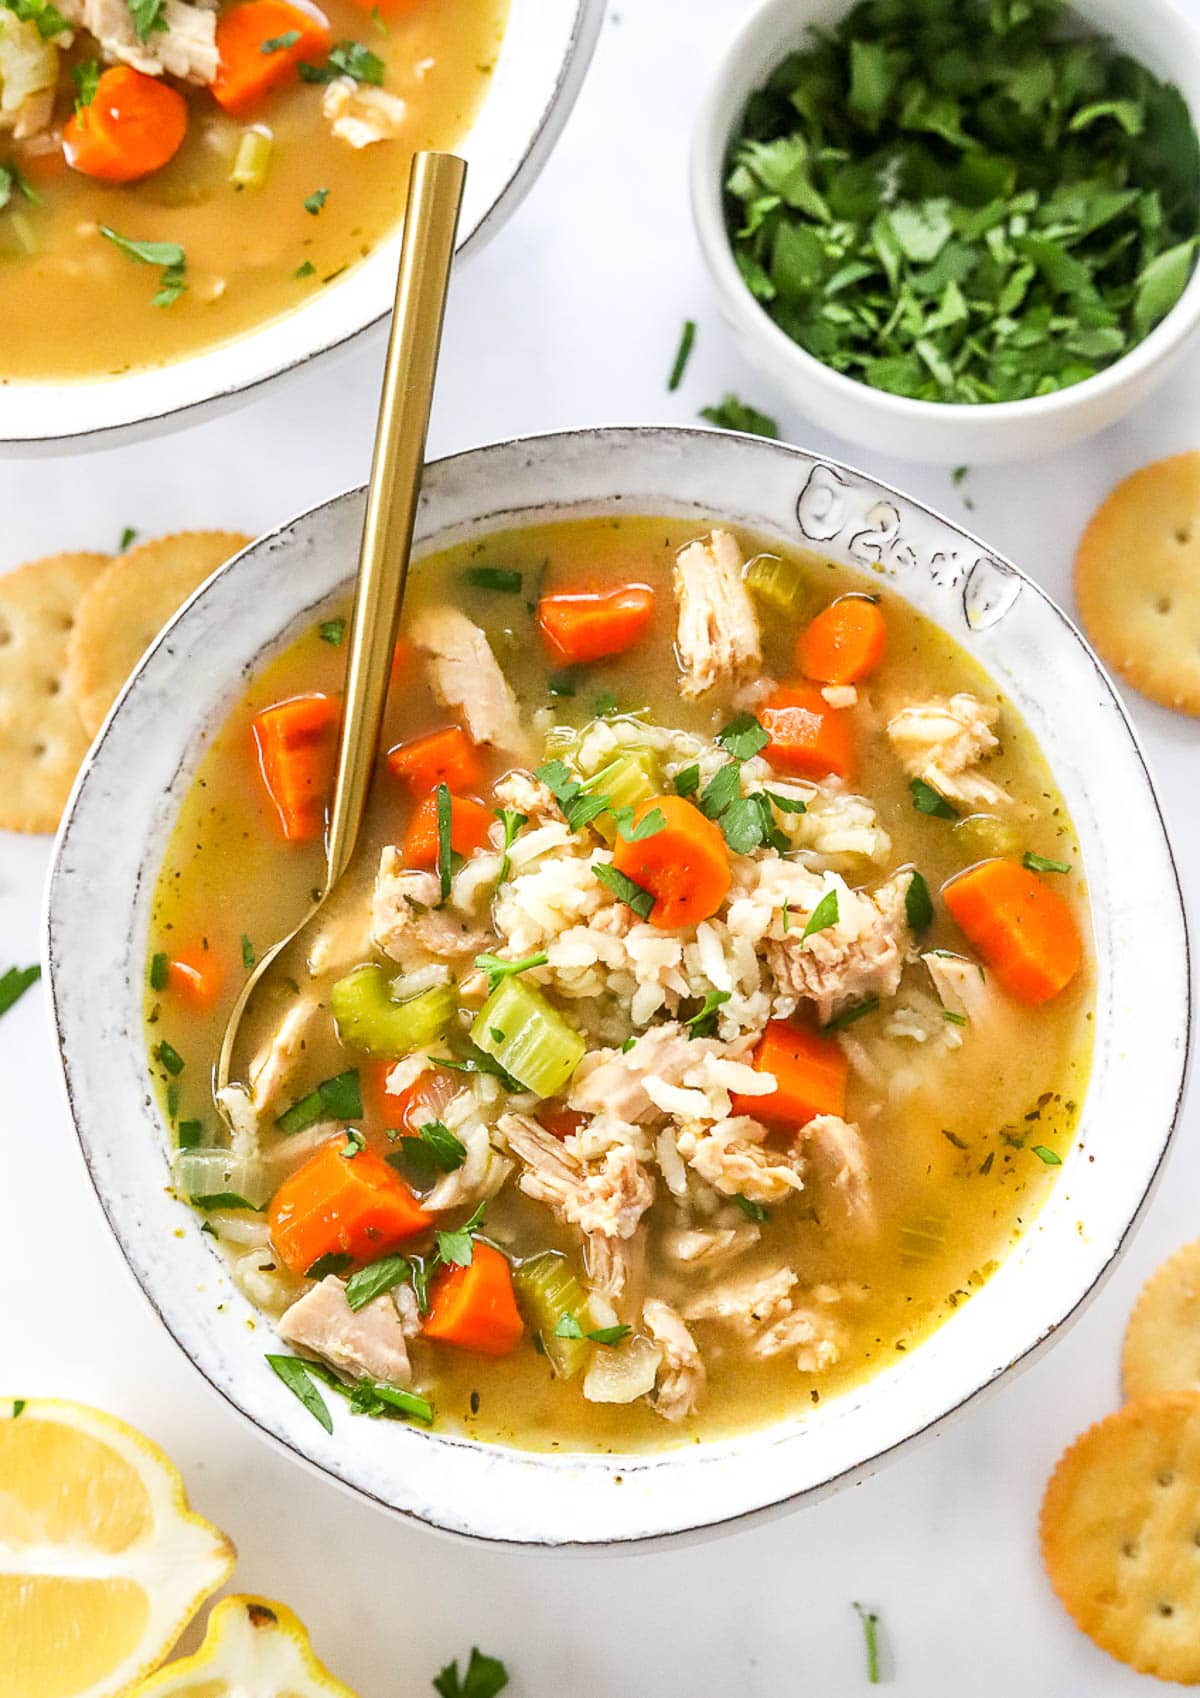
(132, 126)
(297, 745)
(592, 625)
(844, 643)
(470, 823)
(809, 1071)
(443, 757)
(559, 1120)
(343, 1204)
(1025, 931)
(401, 658)
(807, 736)
(684, 866)
(256, 51)
(195, 974)
(407, 1110)
(475, 1307)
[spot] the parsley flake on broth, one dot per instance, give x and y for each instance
(964, 202)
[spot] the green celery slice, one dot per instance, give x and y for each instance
(371, 1021)
(547, 1289)
(781, 583)
(519, 1029)
(253, 159)
(632, 777)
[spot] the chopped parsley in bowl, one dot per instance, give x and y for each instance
(965, 202)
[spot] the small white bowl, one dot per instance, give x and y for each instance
(127, 800)
(543, 59)
(1153, 31)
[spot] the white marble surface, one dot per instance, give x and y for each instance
(571, 317)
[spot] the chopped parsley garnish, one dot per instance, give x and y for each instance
(751, 1209)
(723, 787)
(975, 203)
(1050, 1157)
(625, 889)
(445, 848)
(1043, 863)
(605, 705)
(339, 1098)
(484, 1678)
(649, 825)
(609, 1336)
(314, 202)
(158, 971)
(926, 800)
(169, 255)
(494, 578)
(18, 1407)
(497, 968)
(372, 1281)
(86, 77)
(732, 414)
(347, 59)
(824, 915)
(704, 1022)
(434, 1149)
(169, 1057)
(682, 354)
(687, 780)
(918, 904)
(958, 474)
(47, 18)
(225, 1200)
(296, 1377)
(248, 955)
(953, 1018)
(332, 631)
(743, 737)
(355, 1144)
(786, 804)
(870, 1624)
(512, 822)
(128, 536)
(856, 1011)
(457, 1248)
(188, 1134)
(333, 1262)
(568, 1327)
(308, 269)
(279, 43)
(147, 17)
(579, 807)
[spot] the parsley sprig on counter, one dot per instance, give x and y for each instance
(959, 201)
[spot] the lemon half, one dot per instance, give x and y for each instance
(102, 1564)
(254, 1648)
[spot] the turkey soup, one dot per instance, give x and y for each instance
(174, 172)
(705, 1015)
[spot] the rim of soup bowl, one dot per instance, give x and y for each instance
(145, 756)
(540, 70)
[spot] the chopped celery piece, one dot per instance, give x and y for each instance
(370, 1020)
(780, 583)
(981, 836)
(562, 742)
(253, 158)
(633, 776)
(548, 1289)
(518, 1028)
(922, 1239)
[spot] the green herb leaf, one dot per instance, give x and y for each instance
(372, 1281)
(188, 1134)
(568, 1327)
(147, 17)
(856, 1011)
(704, 1022)
(498, 578)
(457, 1248)
(47, 18)
(497, 967)
(732, 414)
(334, 1262)
(352, 59)
(742, 825)
(724, 787)
(278, 43)
(169, 1057)
(86, 77)
(687, 780)
(579, 807)
(248, 955)
(445, 827)
(1043, 864)
(314, 202)
(824, 915)
(682, 354)
(332, 631)
(926, 800)
(751, 1209)
(339, 1098)
(870, 1624)
(952, 1018)
(18, 1407)
(296, 1377)
(158, 971)
(650, 824)
(625, 889)
(354, 1145)
(128, 535)
(743, 737)
(609, 1336)
(786, 804)
(918, 904)
(1050, 1157)
(225, 1200)
(447, 1150)
(168, 254)
(307, 269)
(512, 822)
(484, 1678)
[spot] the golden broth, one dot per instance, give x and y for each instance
(960, 1166)
(77, 306)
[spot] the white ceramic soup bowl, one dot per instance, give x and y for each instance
(1153, 31)
(539, 72)
(126, 802)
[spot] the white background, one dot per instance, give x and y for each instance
(571, 317)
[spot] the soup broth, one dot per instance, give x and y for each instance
(958, 1115)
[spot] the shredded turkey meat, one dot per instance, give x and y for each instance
(681, 1373)
(361, 114)
(408, 924)
(840, 1156)
(941, 742)
(365, 1343)
(860, 956)
(185, 47)
(716, 635)
(466, 678)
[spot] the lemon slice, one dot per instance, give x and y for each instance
(102, 1564)
(254, 1648)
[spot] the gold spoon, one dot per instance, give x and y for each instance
(427, 251)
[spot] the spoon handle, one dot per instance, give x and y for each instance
(430, 224)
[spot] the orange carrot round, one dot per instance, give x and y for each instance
(132, 126)
(1025, 932)
(809, 1071)
(844, 643)
(684, 866)
(338, 1203)
(443, 757)
(807, 736)
(256, 52)
(470, 823)
(579, 627)
(296, 742)
(475, 1307)
(195, 974)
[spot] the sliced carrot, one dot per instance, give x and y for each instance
(807, 736)
(297, 745)
(1025, 931)
(844, 643)
(401, 659)
(809, 1071)
(343, 1204)
(256, 51)
(475, 1307)
(593, 625)
(132, 126)
(443, 757)
(470, 823)
(559, 1120)
(407, 1110)
(195, 974)
(684, 866)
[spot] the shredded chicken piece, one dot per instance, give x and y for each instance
(962, 986)
(697, 1248)
(185, 48)
(941, 742)
(361, 114)
(731, 1156)
(342, 939)
(665, 1072)
(716, 636)
(681, 1372)
(842, 1155)
(276, 1060)
(808, 1329)
(406, 921)
(859, 957)
(368, 1342)
(525, 794)
(484, 1170)
(744, 1304)
(466, 677)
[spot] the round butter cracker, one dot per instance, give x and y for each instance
(1120, 1533)
(1137, 581)
(41, 739)
(1162, 1340)
(128, 606)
